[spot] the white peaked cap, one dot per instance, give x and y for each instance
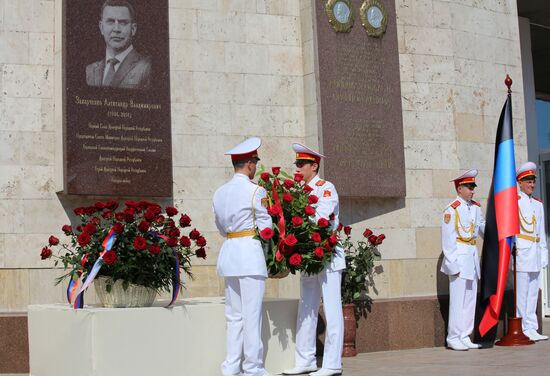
(469, 177)
(246, 149)
(525, 170)
(303, 152)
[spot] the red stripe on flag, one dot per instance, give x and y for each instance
(506, 210)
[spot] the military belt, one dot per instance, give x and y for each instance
(471, 242)
(241, 234)
(534, 239)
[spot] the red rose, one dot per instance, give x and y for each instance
(79, 228)
(194, 234)
(143, 226)
(201, 241)
(373, 239)
(140, 243)
(171, 211)
(331, 217)
(307, 188)
(340, 227)
(275, 170)
(275, 210)
(112, 204)
(175, 233)
(319, 252)
(290, 240)
(309, 210)
(380, 239)
(89, 210)
(129, 211)
(149, 215)
(154, 249)
(131, 204)
(79, 211)
(279, 256)
(332, 240)
(119, 216)
(53, 240)
(96, 221)
(312, 199)
(298, 178)
(118, 227)
(288, 183)
(265, 176)
(90, 228)
(287, 197)
(267, 233)
(110, 257)
(46, 253)
(128, 218)
(107, 214)
(185, 221)
(295, 259)
(67, 229)
(347, 230)
(316, 237)
(297, 221)
(83, 239)
(201, 252)
(185, 241)
(322, 222)
(172, 242)
(100, 205)
(367, 233)
(159, 219)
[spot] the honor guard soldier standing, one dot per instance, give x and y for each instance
(239, 213)
(462, 222)
(326, 284)
(531, 251)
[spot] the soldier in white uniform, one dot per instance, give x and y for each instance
(239, 214)
(531, 250)
(326, 284)
(462, 222)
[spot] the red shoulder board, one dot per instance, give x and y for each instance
(538, 199)
(320, 183)
(455, 204)
(476, 203)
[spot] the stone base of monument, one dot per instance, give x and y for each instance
(187, 339)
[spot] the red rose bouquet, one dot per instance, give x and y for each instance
(139, 244)
(296, 242)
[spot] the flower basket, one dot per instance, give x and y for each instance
(138, 245)
(114, 295)
(296, 242)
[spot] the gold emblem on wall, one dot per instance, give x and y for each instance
(374, 18)
(340, 15)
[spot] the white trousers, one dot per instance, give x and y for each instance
(527, 298)
(243, 313)
(462, 307)
(327, 284)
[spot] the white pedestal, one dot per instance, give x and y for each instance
(187, 340)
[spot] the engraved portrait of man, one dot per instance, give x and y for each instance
(122, 66)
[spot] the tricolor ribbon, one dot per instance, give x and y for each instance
(73, 285)
(176, 277)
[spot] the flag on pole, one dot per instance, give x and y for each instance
(501, 220)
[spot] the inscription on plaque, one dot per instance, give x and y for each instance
(360, 97)
(117, 131)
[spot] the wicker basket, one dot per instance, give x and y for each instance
(133, 296)
(279, 275)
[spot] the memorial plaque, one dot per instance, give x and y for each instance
(360, 101)
(117, 130)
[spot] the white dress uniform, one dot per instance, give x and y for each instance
(461, 225)
(239, 212)
(326, 284)
(531, 254)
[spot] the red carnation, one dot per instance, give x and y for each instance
(279, 256)
(265, 176)
(140, 242)
(307, 188)
(118, 227)
(322, 222)
(79, 211)
(290, 240)
(46, 253)
(367, 233)
(288, 183)
(295, 259)
(67, 229)
(287, 197)
(171, 211)
(83, 239)
(185, 221)
(309, 210)
(172, 242)
(275, 170)
(267, 233)
(143, 226)
(332, 240)
(201, 252)
(373, 239)
(275, 210)
(298, 178)
(185, 241)
(380, 239)
(297, 221)
(316, 237)
(53, 240)
(154, 249)
(201, 241)
(319, 252)
(312, 199)
(194, 234)
(110, 257)
(347, 230)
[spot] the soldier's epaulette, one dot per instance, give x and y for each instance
(538, 199)
(476, 203)
(320, 183)
(455, 204)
